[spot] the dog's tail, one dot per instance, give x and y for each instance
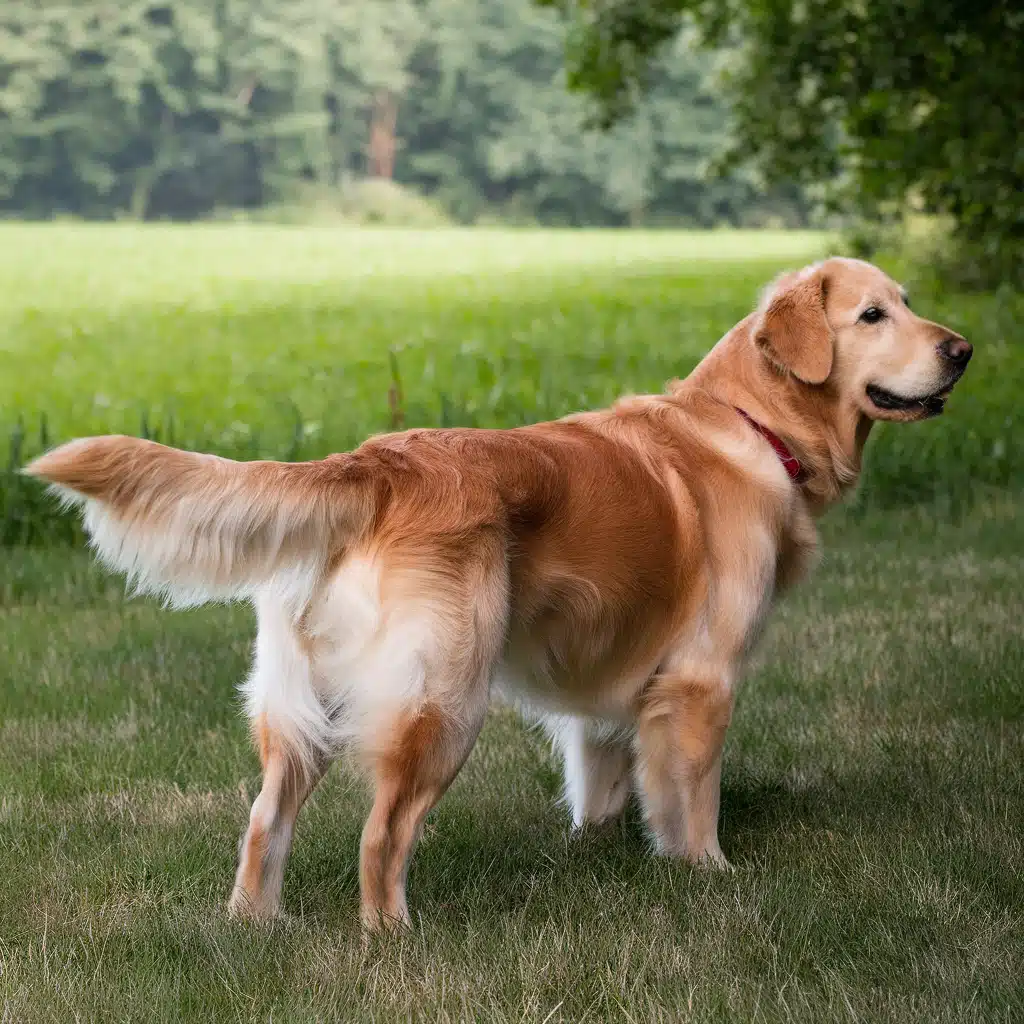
(199, 528)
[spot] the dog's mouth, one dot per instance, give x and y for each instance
(924, 406)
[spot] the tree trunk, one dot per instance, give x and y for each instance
(141, 191)
(383, 121)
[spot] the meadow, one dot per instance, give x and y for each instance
(262, 341)
(873, 793)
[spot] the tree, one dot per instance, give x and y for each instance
(897, 100)
(491, 125)
(175, 108)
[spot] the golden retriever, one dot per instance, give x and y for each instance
(610, 571)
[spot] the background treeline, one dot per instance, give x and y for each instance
(887, 108)
(146, 109)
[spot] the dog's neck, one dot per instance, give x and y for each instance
(826, 434)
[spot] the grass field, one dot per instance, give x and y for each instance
(268, 341)
(873, 796)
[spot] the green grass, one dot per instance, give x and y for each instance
(874, 783)
(268, 341)
(872, 805)
(230, 330)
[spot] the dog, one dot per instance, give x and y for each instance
(610, 570)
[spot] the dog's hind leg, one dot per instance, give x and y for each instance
(267, 841)
(292, 732)
(426, 752)
(451, 613)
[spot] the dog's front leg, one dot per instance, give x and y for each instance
(680, 734)
(684, 711)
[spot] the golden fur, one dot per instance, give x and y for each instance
(610, 571)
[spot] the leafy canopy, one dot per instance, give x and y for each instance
(893, 101)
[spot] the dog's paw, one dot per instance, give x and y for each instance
(379, 925)
(711, 860)
(242, 907)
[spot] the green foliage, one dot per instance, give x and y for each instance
(28, 515)
(264, 341)
(492, 125)
(896, 103)
(932, 253)
(178, 109)
(365, 201)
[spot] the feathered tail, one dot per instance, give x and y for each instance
(199, 528)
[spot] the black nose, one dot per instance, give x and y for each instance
(956, 350)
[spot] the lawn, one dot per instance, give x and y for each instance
(873, 794)
(234, 330)
(272, 341)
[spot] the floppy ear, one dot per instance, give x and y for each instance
(793, 330)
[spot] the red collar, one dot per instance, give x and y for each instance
(786, 457)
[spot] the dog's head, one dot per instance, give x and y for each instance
(846, 322)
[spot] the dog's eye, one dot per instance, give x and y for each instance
(872, 315)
